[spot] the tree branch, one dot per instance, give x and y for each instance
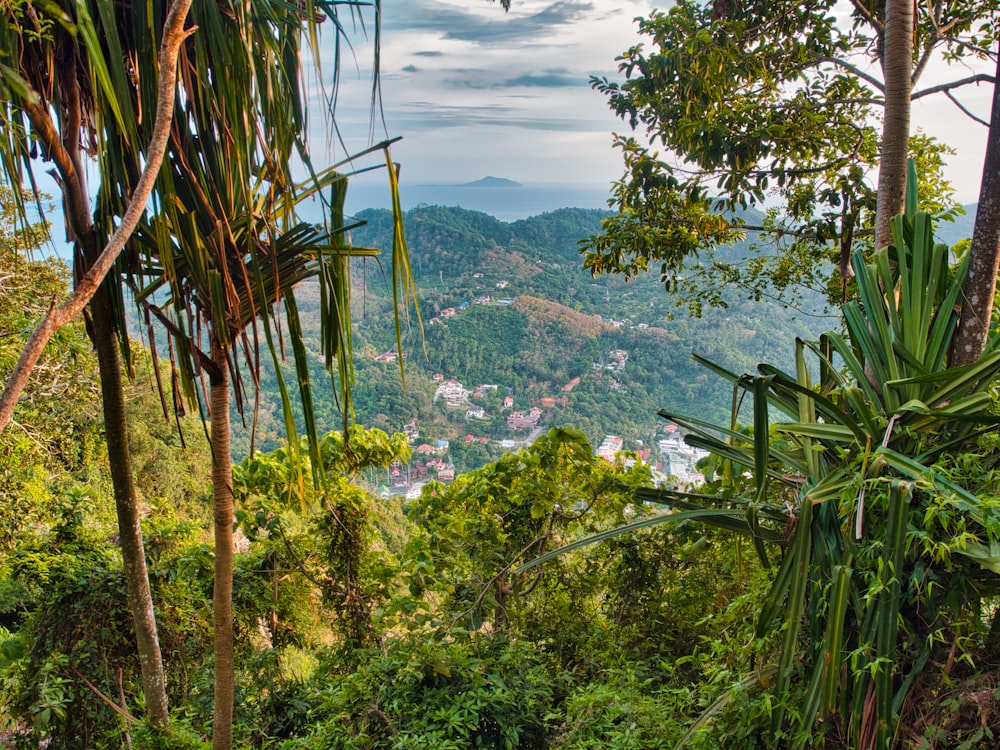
(962, 107)
(854, 70)
(861, 10)
(925, 56)
(944, 87)
(174, 35)
(121, 710)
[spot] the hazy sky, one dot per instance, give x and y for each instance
(475, 91)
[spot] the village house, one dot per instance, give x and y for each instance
(519, 421)
(477, 413)
(508, 403)
(679, 459)
(399, 475)
(610, 447)
(452, 392)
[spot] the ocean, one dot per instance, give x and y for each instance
(507, 203)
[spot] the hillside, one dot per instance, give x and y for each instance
(509, 305)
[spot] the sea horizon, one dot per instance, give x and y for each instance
(506, 203)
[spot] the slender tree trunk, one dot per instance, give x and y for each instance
(222, 602)
(140, 599)
(154, 684)
(984, 253)
(897, 64)
(63, 146)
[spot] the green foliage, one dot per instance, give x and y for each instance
(535, 347)
(80, 630)
(328, 538)
(619, 713)
(430, 693)
(476, 529)
(761, 103)
(885, 535)
(313, 674)
(54, 436)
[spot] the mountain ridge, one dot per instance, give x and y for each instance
(508, 304)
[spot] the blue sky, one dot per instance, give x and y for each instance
(475, 91)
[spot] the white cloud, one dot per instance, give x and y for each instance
(476, 91)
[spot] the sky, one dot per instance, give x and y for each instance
(475, 91)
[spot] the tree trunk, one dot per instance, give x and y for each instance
(140, 599)
(222, 602)
(984, 253)
(63, 144)
(897, 64)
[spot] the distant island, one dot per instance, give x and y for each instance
(491, 182)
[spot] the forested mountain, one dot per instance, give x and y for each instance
(811, 560)
(510, 305)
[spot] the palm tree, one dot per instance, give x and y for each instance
(78, 79)
(50, 59)
(217, 260)
(227, 275)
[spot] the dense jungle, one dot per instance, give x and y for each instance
(211, 403)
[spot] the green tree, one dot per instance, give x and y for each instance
(325, 533)
(63, 90)
(52, 435)
(871, 482)
(476, 530)
(234, 150)
(227, 250)
(761, 100)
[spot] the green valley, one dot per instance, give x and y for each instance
(509, 305)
